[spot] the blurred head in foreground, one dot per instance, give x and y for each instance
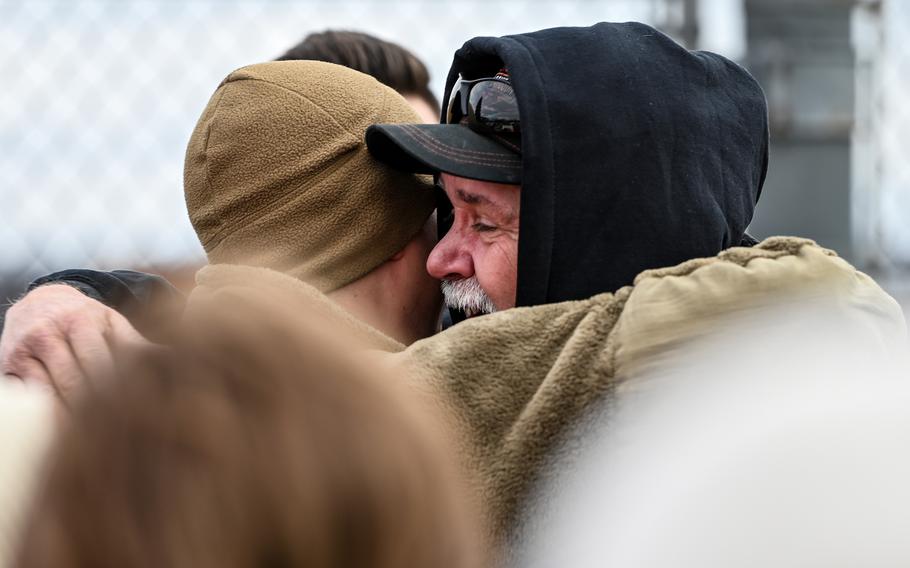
(250, 443)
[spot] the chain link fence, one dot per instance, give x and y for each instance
(100, 96)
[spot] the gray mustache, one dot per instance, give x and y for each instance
(467, 295)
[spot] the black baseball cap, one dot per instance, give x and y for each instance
(481, 139)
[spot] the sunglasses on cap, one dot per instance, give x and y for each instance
(486, 105)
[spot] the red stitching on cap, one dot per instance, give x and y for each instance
(414, 130)
(487, 159)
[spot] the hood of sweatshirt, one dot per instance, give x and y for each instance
(636, 153)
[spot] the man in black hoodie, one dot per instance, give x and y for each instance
(631, 153)
(478, 163)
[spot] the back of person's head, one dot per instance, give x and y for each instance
(249, 443)
(277, 174)
(388, 62)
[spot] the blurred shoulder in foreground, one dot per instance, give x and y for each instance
(26, 432)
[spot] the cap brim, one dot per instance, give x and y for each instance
(449, 148)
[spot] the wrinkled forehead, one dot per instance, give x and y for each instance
(465, 191)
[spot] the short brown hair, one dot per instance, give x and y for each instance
(248, 443)
(388, 62)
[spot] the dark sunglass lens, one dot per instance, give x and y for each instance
(493, 102)
(458, 102)
(453, 114)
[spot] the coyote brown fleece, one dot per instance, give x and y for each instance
(517, 381)
(277, 174)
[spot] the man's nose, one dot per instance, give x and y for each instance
(450, 259)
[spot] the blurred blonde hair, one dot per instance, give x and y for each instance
(251, 441)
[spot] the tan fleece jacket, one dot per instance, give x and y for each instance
(515, 382)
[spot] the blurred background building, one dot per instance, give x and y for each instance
(99, 98)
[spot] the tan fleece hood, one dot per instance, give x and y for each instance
(244, 284)
(277, 174)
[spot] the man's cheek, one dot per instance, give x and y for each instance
(507, 261)
(507, 280)
(495, 284)
(506, 251)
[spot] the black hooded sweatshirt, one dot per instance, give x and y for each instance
(636, 154)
